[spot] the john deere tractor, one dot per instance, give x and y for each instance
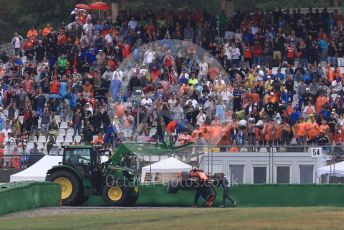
(82, 174)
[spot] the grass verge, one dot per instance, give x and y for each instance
(185, 218)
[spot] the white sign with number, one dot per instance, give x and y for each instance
(316, 152)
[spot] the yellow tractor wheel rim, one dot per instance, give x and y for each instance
(115, 193)
(66, 187)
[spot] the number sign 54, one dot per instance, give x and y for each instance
(316, 152)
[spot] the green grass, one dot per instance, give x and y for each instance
(186, 218)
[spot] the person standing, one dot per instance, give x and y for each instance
(313, 130)
(225, 184)
(77, 119)
(45, 122)
(17, 43)
(87, 134)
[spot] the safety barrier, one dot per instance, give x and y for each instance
(284, 195)
(267, 195)
(28, 195)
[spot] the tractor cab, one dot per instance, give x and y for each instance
(87, 160)
(83, 158)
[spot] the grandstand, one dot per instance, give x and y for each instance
(249, 78)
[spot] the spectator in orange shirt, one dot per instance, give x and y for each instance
(300, 131)
(313, 130)
(88, 88)
(54, 86)
(27, 85)
(99, 139)
(324, 127)
(47, 29)
(329, 73)
(320, 102)
(336, 72)
(196, 134)
(32, 33)
(254, 97)
(269, 132)
(183, 138)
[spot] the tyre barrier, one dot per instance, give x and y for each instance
(20, 196)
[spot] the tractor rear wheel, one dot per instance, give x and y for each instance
(71, 187)
(115, 195)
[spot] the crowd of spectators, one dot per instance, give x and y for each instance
(230, 95)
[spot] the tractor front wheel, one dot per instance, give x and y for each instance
(71, 187)
(115, 195)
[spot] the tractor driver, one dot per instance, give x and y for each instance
(73, 158)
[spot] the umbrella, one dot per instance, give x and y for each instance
(83, 6)
(100, 6)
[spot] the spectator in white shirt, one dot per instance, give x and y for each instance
(17, 43)
(336, 85)
(235, 52)
(203, 69)
(149, 56)
(88, 27)
(109, 39)
(227, 98)
(201, 118)
(132, 24)
(147, 103)
(184, 74)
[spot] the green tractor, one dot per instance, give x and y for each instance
(82, 174)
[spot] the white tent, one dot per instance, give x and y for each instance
(334, 169)
(37, 171)
(163, 170)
